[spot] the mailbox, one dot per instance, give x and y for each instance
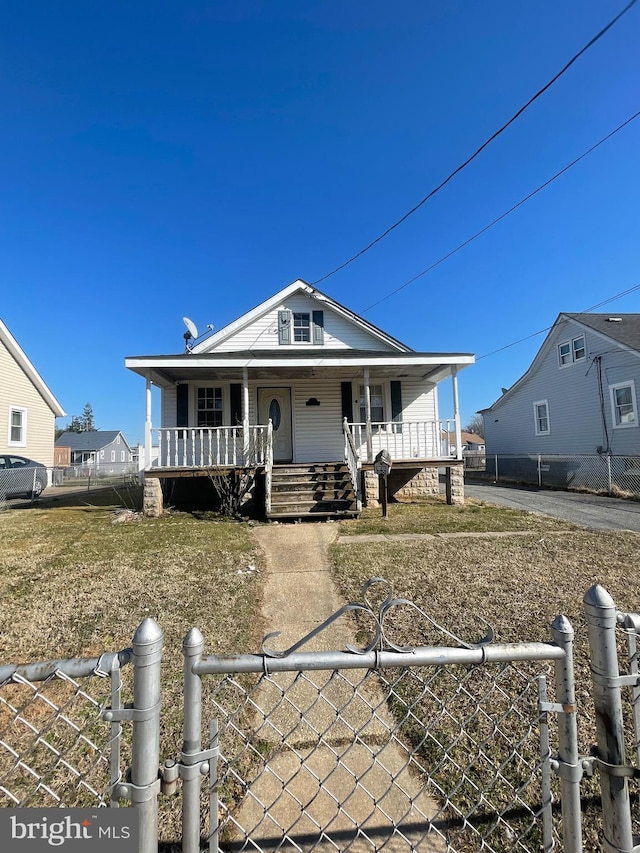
(382, 463)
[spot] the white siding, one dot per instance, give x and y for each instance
(573, 395)
(339, 333)
(16, 389)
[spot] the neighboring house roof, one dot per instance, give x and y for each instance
(467, 437)
(623, 330)
(20, 357)
(299, 286)
(91, 440)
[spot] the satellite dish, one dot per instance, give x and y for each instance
(192, 332)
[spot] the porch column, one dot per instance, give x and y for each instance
(367, 413)
(245, 413)
(456, 412)
(147, 426)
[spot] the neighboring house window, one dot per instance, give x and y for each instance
(209, 412)
(571, 351)
(102, 454)
(377, 404)
(113, 456)
(301, 327)
(541, 415)
(122, 455)
(117, 439)
(623, 404)
(17, 426)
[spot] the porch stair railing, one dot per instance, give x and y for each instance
(352, 459)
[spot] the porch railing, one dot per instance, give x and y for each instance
(404, 439)
(352, 459)
(208, 447)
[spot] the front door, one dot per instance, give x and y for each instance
(275, 403)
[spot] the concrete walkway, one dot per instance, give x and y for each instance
(335, 777)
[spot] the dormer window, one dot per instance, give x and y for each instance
(572, 351)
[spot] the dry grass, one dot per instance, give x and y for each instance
(73, 583)
(432, 515)
(517, 584)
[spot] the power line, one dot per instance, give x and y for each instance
(547, 328)
(481, 148)
(505, 214)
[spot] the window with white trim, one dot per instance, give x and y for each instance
(17, 426)
(122, 455)
(301, 327)
(102, 454)
(572, 351)
(209, 407)
(117, 439)
(113, 456)
(377, 404)
(541, 417)
(623, 404)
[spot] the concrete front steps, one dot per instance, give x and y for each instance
(316, 490)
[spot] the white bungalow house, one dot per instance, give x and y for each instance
(305, 393)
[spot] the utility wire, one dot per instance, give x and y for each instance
(548, 328)
(482, 147)
(505, 214)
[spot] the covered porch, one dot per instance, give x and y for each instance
(255, 410)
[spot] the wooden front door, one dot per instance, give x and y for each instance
(275, 403)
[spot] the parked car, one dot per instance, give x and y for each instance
(21, 477)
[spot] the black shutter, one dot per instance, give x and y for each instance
(347, 401)
(235, 403)
(318, 327)
(284, 327)
(182, 405)
(396, 402)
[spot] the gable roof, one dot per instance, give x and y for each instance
(623, 330)
(92, 440)
(38, 382)
(298, 286)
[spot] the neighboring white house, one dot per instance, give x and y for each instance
(579, 395)
(28, 409)
(299, 379)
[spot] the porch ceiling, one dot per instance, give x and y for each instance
(289, 365)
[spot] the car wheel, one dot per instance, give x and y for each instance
(37, 490)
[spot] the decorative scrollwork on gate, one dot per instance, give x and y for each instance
(378, 613)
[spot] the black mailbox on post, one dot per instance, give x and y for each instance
(382, 463)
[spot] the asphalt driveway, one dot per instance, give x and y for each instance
(593, 511)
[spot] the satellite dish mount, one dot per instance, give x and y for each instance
(190, 334)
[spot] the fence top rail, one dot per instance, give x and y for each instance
(73, 667)
(424, 656)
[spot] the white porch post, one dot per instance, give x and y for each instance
(456, 412)
(367, 413)
(245, 413)
(147, 426)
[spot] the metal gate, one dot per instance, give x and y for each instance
(452, 746)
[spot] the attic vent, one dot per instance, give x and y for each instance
(614, 319)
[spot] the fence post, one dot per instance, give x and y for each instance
(600, 611)
(496, 467)
(145, 758)
(570, 769)
(609, 480)
(191, 758)
(539, 472)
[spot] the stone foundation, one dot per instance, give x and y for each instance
(454, 481)
(152, 505)
(403, 483)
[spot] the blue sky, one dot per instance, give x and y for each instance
(163, 159)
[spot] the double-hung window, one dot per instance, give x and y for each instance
(571, 351)
(623, 404)
(377, 404)
(209, 412)
(17, 426)
(541, 417)
(301, 327)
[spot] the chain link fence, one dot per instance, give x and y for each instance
(612, 475)
(55, 747)
(28, 483)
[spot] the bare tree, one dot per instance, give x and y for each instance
(475, 425)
